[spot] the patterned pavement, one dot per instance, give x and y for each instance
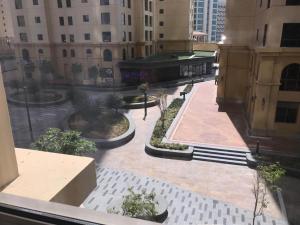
(184, 207)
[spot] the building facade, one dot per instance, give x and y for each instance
(205, 18)
(221, 19)
(99, 33)
(260, 64)
(6, 28)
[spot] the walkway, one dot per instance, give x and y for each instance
(204, 122)
(184, 207)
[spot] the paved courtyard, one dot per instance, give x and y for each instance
(227, 126)
(224, 183)
(184, 207)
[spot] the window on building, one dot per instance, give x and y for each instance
(151, 36)
(59, 4)
(105, 18)
(107, 55)
(161, 11)
(88, 51)
(257, 34)
(129, 4)
(269, 4)
(150, 50)
(123, 19)
(41, 51)
(37, 19)
(70, 20)
(21, 21)
(68, 3)
(72, 38)
(123, 3)
(85, 18)
(106, 36)
(84, 1)
(61, 20)
(261, 2)
(104, 2)
(25, 55)
(72, 53)
(132, 52)
(161, 23)
(290, 35)
(292, 2)
(286, 112)
(290, 78)
(124, 36)
(150, 21)
(87, 36)
(146, 20)
(147, 50)
(161, 35)
(129, 20)
(129, 36)
(23, 37)
(18, 4)
(64, 53)
(150, 6)
(63, 38)
(35, 2)
(146, 35)
(124, 54)
(146, 5)
(40, 37)
(265, 34)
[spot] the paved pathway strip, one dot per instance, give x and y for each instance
(185, 207)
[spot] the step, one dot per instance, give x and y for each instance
(226, 161)
(219, 149)
(220, 156)
(231, 153)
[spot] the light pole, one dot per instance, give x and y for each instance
(26, 101)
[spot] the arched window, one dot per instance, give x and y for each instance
(25, 55)
(290, 78)
(124, 54)
(107, 55)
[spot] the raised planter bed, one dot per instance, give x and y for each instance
(139, 105)
(110, 142)
(59, 98)
(161, 209)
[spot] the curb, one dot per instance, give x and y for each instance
(63, 99)
(113, 142)
(141, 105)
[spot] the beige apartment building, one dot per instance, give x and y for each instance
(260, 64)
(6, 28)
(99, 32)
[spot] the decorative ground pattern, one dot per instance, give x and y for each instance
(185, 207)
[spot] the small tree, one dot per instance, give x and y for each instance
(15, 84)
(267, 177)
(93, 73)
(69, 142)
(76, 69)
(114, 101)
(163, 106)
(144, 89)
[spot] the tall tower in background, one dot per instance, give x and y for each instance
(206, 13)
(221, 19)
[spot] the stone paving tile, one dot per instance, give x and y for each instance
(184, 207)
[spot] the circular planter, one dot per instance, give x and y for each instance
(140, 105)
(63, 98)
(112, 142)
(161, 209)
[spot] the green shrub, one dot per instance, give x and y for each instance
(69, 142)
(188, 88)
(137, 205)
(160, 131)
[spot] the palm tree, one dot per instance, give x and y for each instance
(144, 88)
